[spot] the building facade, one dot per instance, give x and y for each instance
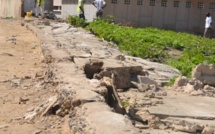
(57, 5)
(69, 7)
(30, 5)
(178, 15)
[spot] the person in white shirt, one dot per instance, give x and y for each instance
(208, 23)
(99, 4)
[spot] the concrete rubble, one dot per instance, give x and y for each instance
(104, 90)
(201, 83)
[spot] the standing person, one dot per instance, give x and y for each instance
(208, 23)
(40, 7)
(99, 4)
(80, 9)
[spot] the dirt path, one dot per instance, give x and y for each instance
(20, 60)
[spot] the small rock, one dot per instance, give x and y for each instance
(37, 132)
(197, 93)
(4, 126)
(208, 130)
(22, 24)
(119, 90)
(140, 125)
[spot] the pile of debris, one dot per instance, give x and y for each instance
(201, 84)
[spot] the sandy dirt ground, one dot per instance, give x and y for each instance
(20, 60)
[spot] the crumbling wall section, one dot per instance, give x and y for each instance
(10, 8)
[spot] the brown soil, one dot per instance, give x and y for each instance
(20, 60)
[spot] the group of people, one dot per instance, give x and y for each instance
(99, 4)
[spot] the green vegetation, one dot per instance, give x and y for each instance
(76, 21)
(181, 50)
(125, 104)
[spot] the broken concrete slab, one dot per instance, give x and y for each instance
(184, 106)
(102, 119)
(121, 76)
(88, 96)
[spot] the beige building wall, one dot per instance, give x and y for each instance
(57, 2)
(69, 7)
(143, 15)
(10, 8)
(173, 18)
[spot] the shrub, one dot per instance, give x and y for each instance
(76, 21)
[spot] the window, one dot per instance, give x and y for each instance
(139, 2)
(176, 4)
(212, 5)
(188, 4)
(152, 2)
(163, 3)
(200, 5)
(57, 8)
(127, 2)
(114, 1)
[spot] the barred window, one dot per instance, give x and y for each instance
(127, 2)
(188, 4)
(139, 2)
(200, 5)
(212, 5)
(163, 3)
(152, 2)
(176, 4)
(114, 1)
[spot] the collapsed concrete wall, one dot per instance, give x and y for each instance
(10, 8)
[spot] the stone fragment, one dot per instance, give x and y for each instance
(204, 73)
(121, 76)
(4, 126)
(208, 130)
(140, 125)
(196, 84)
(197, 93)
(188, 88)
(119, 90)
(92, 67)
(146, 80)
(95, 83)
(180, 81)
(120, 57)
(141, 87)
(101, 90)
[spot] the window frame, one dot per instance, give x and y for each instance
(188, 4)
(152, 3)
(212, 6)
(114, 1)
(176, 3)
(163, 3)
(139, 2)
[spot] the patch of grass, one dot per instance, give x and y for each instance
(153, 44)
(125, 104)
(76, 21)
